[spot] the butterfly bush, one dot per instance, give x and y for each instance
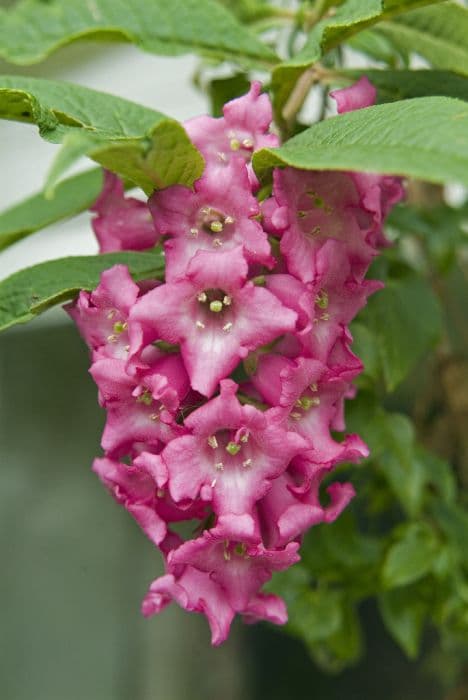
(224, 386)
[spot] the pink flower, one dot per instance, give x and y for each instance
(214, 314)
(140, 489)
(101, 316)
(239, 568)
(357, 96)
(121, 223)
(194, 591)
(287, 512)
(321, 206)
(335, 297)
(309, 397)
(242, 130)
(216, 216)
(140, 408)
(230, 458)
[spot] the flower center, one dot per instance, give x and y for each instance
(227, 444)
(306, 402)
(216, 301)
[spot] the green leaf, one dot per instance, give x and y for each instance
(403, 84)
(403, 613)
(31, 291)
(411, 557)
(437, 33)
(379, 47)
(390, 437)
(405, 319)
(221, 90)
(345, 646)
(32, 29)
(441, 228)
(136, 142)
(453, 521)
(351, 16)
(315, 615)
(425, 137)
(71, 197)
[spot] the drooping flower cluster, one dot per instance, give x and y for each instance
(225, 384)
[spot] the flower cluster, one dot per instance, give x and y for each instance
(225, 384)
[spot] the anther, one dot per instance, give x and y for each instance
(247, 143)
(216, 306)
(111, 314)
(295, 415)
(217, 243)
(227, 300)
(219, 466)
(194, 232)
(222, 156)
(313, 386)
(216, 226)
(202, 297)
(227, 327)
(212, 441)
(154, 416)
(112, 338)
(199, 324)
(213, 483)
(247, 463)
(325, 317)
(228, 219)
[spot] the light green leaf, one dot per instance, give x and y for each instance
(425, 137)
(405, 319)
(32, 29)
(134, 141)
(403, 84)
(437, 33)
(71, 197)
(411, 557)
(351, 16)
(31, 291)
(403, 612)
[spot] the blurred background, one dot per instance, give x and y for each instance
(74, 565)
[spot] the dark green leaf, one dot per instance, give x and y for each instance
(351, 16)
(33, 29)
(29, 292)
(379, 47)
(437, 33)
(34, 213)
(134, 141)
(345, 646)
(425, 137)
(411, 556)
(403, 612)
(405, 319)
(222, 90)
(390, 437)
(403, 84)
(315, 615)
